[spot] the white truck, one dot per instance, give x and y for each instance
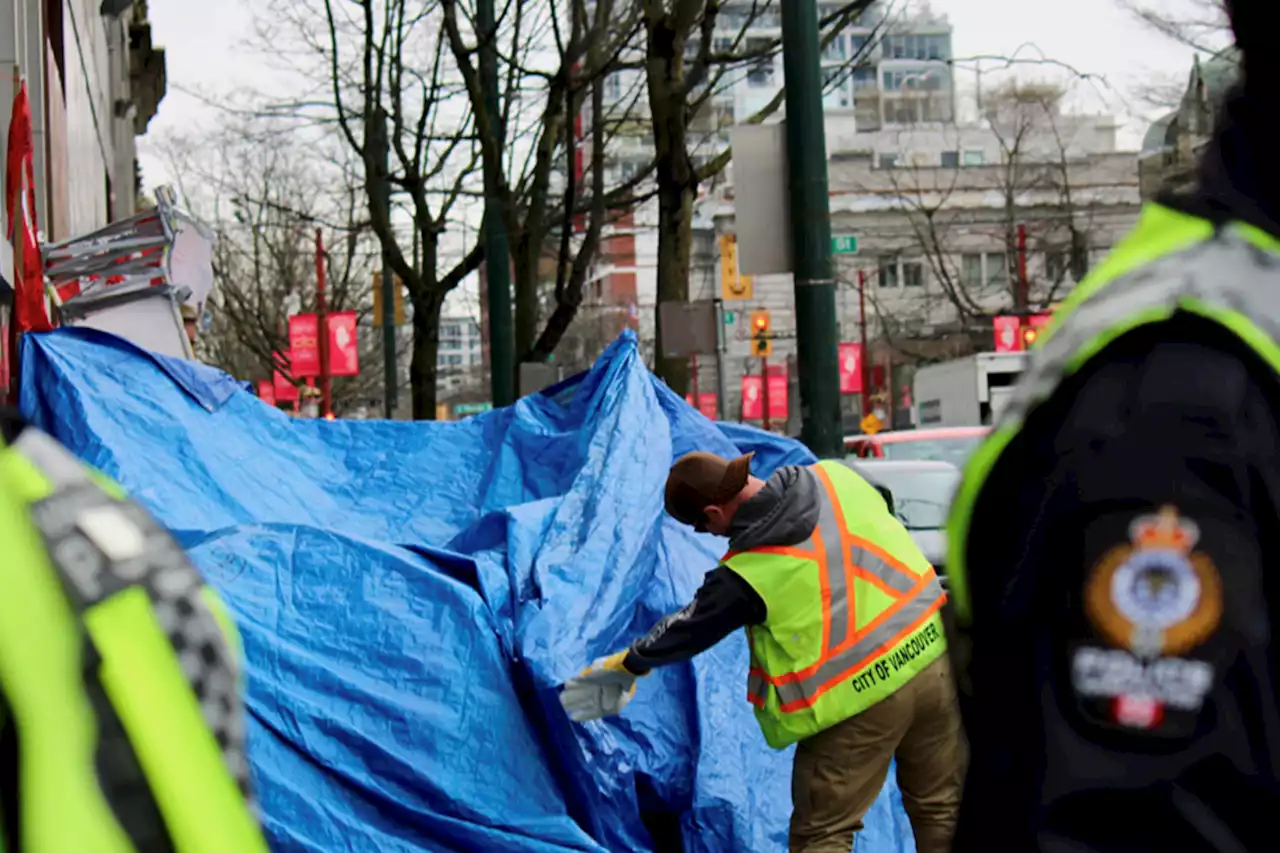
(969, 391)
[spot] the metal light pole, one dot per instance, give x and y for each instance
(815, 287)
(390, 378)
(497, 251)
(322, 324)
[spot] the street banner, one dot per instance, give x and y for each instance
(706, 404)
(266, 392)
(850, 368)
(29, 311)
(344, 350)
(304, 345)
(285, 390)
(1008, 334)
(752, 398)
(777, 394)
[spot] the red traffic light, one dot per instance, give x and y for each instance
(762, 323)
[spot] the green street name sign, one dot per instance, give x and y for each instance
(844, 244)
(472, 408)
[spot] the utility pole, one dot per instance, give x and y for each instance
(815, 287)
(866, 353)
(322, 323)
(497, 252)
(390, 378)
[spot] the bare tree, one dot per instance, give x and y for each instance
(584, 40)
(688, 58)
(265, 195)
(1047, 208)
(1199, 24)
(381, 80)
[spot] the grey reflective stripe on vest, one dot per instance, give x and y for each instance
(842, 616)
(1225, 271)
(102, 546)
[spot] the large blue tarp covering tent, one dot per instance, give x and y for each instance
(412, 594)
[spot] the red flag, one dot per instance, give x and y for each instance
(707, 404)
(285, 390)
(777, 393)
(304, 345)
(29, 312)
(752, 398)
(850, 368)
(344, 352)
(1008, 333)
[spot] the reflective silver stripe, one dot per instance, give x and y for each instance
(757, 687)
(841, 620)
(52, 459)
(1225, 271)
(861, 652)
(874, 565)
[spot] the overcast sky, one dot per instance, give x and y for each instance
(206, 52)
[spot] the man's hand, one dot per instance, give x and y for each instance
(601, 690)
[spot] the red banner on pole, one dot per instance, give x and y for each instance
(344, 350)
(266, 392)
(752, 398)
(1008, 334)
(304, 345)
(850, 368)
(285, 390)
(706, 404)
(29, 311)
(777, 394)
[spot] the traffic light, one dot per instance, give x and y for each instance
(1029, 334)
(761, 340)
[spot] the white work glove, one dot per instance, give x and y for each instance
(601, 690)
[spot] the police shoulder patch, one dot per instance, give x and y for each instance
(1156, 596)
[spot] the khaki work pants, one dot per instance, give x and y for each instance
(839, 772)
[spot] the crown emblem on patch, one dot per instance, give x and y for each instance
(1165, 530)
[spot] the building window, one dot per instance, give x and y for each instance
(857, 44)
(970, 270)
(888, 161)
(836, 50)
(761, 72)
(864, 78)
(1056, 266)
(888, 272)
(974, 158)
(997, 269)
(913, 274)
(835, 86)
(893, 80)
(950, 159)
(613, 87)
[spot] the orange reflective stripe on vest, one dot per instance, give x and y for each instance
(841, 557)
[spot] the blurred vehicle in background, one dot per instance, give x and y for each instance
(947, 444)
(920, 494)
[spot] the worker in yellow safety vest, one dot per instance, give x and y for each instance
(848, 654)
(1114, 543)
(121, 725)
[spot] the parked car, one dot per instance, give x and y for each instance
(945, 444)
(920, 493)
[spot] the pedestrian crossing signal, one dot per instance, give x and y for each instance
(761, 339)
(1029, 335)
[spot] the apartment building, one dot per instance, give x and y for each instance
(95, 80)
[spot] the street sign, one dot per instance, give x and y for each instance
(844, 244)
(688, 328)
(871, 424)
(729, 318)
(472, 408)
(733, 284)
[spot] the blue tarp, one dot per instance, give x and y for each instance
(412, 594)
